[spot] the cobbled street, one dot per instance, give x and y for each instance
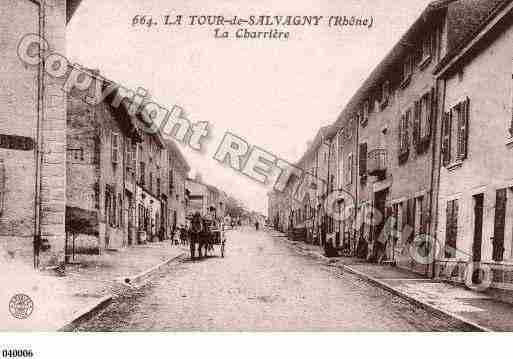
(263, 283)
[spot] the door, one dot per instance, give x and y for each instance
(478, 237)
(130, 220)
(378, 247)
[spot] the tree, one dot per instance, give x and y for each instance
(234, 207)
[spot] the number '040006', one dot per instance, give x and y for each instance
(17, 353)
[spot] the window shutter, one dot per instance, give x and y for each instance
(363, 159)
(115, 147)
(434, 43)
(446, 138)
(451, 230)
(463, 120)
(448, 229)
(349, 168)
(400, 134)
(2, 186)
(416, 122)
(431, 115)
(454, 222)
(405, 131)
(128, 151)
(499, 223)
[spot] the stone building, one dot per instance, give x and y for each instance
(212, 201)
(395, 111)
(382, 148)
(344, 158)
(475, 209)
(198, 196)
(100, 173)
(151, 197)
(308, 213)
(33, 136)
(126, 185)
(178, 170)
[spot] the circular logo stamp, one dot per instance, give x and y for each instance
(21, 306)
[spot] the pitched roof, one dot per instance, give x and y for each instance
(324, 133)
(463, 16)
(472, 39)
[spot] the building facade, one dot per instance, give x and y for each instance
(99, 181)
(384, 151)
(33, 138)
(178, 170)
(476, 176)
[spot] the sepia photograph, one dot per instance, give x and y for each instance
(289, 167)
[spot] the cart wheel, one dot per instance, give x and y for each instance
(222, 250)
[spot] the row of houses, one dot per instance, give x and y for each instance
(209, 201)
(124, 184)
(77, 177)
(425, 142)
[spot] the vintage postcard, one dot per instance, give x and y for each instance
(271, 166)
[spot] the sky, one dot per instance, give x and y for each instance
(275, 94)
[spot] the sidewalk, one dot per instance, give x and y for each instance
(58, 301)
(477, 309)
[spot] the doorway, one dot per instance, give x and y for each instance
(478, 237)
(378, 247)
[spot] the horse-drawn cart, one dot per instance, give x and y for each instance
(205, 233)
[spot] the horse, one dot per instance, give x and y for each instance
(196, 235)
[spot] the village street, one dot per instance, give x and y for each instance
(263, 283)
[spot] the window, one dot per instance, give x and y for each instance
(429, 47)
(365, 113)
(455, 123)
(115, 147)
(142, 174)
(171, 182)
(362, 159)
(427, 112)
(462, 110)
(385, 94)
(422, 115)
(349, 170)
(96, 195)
(128, 157)
(131, 155)
(349, 130)
(499, 225)
(408, 67)
(150, 183)
(403, 133)
(451, 228)
(76, 154)
(158, 187)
